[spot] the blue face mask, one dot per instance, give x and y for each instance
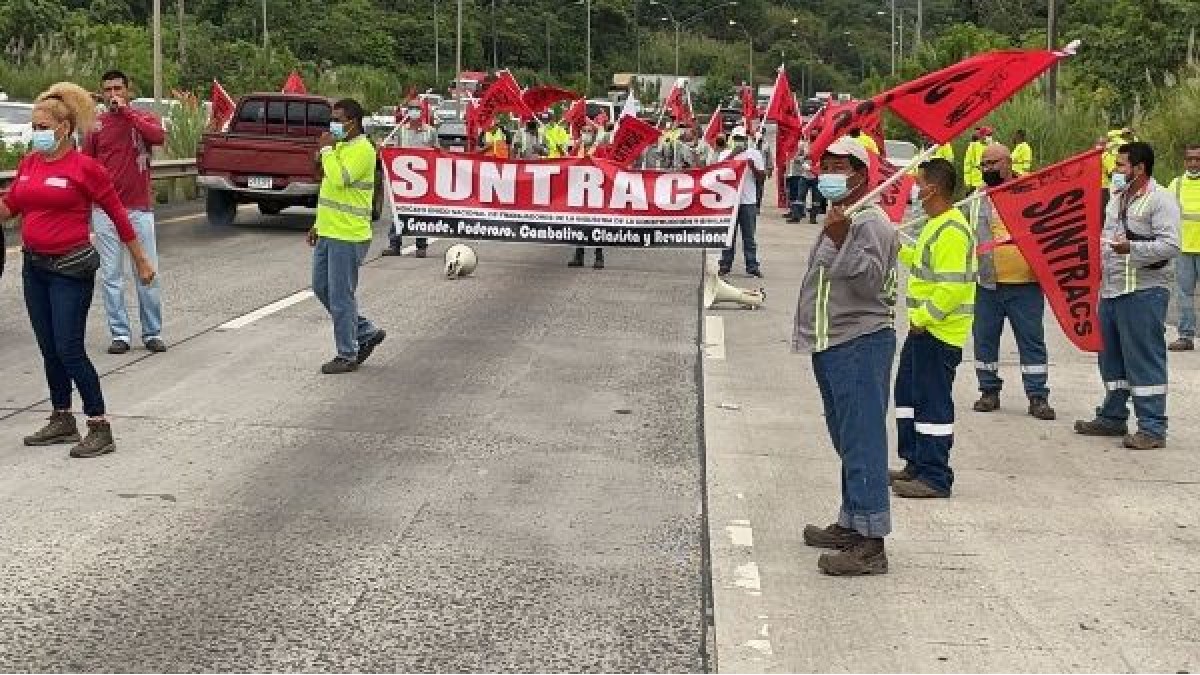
(338, 130)
(43, 140)
(832, 186)
(1119, 181)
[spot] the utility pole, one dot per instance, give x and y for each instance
(437, 50)
(265, 40)
(458, 53)
(157, 28)
(893, 45)
(182, 51)
(587, 89)
(1051, 38)
(495, 57)
(547, 48)
(900, 34)
(920, 21)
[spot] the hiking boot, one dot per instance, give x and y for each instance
(366, 348)
(156, 345)
(866, 557)
(1099, 428)
(1040, 408)
(99, 441)
(422, 253)
(1144, 441)
(916, 489)
(907, 473)
(1183, 344)
(339, 366)
(118, 347)
(756, 272)
(835, 536)
(60, 429)
(577, 261)
(599, 264)
(392, 251)
(989, 401)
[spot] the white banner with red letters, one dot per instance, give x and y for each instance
(572, 201)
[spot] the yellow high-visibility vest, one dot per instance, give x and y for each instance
(347, 191)
(1187, 191)
(941, 278)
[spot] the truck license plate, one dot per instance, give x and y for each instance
(260, 182)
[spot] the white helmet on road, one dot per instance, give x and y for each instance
(460, 261)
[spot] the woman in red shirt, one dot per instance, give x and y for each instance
(53, 192)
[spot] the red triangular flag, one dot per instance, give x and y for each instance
(1051, 216)
(575, 117)
(294, 84)
(678, 105)
(541, 98)
(715, 127)
(633, 136)
(503, 95)
(836, 120)
(783, 110)
(893, 200)
(222, 107)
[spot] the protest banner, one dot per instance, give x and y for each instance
(572, 201)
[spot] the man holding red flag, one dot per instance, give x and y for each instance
(844, 317)
(1140, 237)
(747, 215)
(1007, 289)
(941, 296)
(415, 133)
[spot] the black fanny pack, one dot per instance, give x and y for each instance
(81, 263)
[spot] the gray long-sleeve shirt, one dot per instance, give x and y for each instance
(1152, 222)
(848, 292)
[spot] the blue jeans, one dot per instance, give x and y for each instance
(58, 308)
(114, 263)
(1187, 270)
(747, 223)
(854, 378)
(1025, 307)
(799, 203)
(335, 282)
(795, 209)
(925, 408)
(1134, 360)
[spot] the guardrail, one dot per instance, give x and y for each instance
(159, 169)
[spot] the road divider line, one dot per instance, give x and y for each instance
(278, 305)
(714, 337)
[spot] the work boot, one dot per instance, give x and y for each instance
(339, 366)
(989, 401)
(1040, 408)
(867, 556)
(1183, 344)
(916, 489)
(1144, 441)
(118, 347)
(577, 261)
(60, 429)
(835, 536)
(99, 441)
(907, 473)
(599, 263)
(156, 345)
(392, 251)
(756, 272)
(368, 347)
(1099, 428)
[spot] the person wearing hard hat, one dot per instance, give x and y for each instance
(1186, 189)
(865, 140)
(941, 299)
(747, 214)
(413, 134)
(844, 318)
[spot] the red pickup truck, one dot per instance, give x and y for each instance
(266, 156)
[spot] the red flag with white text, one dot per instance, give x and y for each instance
(1052, 218)
(633, 136)
(222, 107)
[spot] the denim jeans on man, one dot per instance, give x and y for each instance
(58, 308)
(115, 263)
(925, 408)
(747, 220)
(1024, 306)
(804, 188)
(854, 378)
(1187, 271)
(1134, 360)
(793, 195)
(335, 282)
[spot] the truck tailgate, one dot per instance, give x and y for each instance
(239, 156)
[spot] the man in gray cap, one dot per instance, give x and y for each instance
(747, 215)
(844, 318)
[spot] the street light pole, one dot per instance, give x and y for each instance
(458, 53)
(588, 88)
(495, 57)
(893, 45)
(158, 83)
(264, 10)
(437, 49)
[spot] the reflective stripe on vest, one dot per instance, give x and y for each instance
(1130, 269)
(344, 208)
(935, 311)
(821, 320)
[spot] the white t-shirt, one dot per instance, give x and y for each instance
(750, 182)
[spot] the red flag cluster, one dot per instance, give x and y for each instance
(632, 138)
(503, 95)
(783, 111)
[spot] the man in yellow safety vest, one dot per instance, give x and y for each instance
(941, 295)
(1186, 189)
(1022, 154)
(342, 234)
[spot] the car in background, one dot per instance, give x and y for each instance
(811, 107)
(899, 153)
(16, 126)
(452, 135)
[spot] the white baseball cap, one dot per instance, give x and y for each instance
(848, 147)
